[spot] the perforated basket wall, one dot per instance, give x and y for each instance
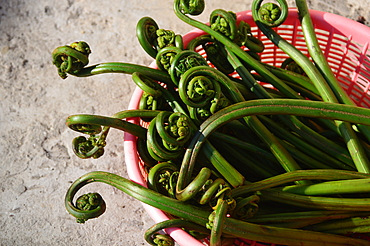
(344, 42)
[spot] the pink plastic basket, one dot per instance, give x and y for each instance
(344, 42)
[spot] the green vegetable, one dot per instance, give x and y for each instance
(233, 147)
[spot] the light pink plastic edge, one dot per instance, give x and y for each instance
(322, 20)
(325, 21)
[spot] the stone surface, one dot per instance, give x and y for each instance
(37, 163)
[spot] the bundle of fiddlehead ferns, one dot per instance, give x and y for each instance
(226, 155)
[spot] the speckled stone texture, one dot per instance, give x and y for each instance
(36, 160)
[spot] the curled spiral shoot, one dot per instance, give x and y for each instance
(162, 178)
(217, 56)
(182, 62)
(97, 127)
(158, 239)
(223, 194)
(201, 85)
(90, 202)
(199, 91)
(153, 198)
(150, 102)
(213, 191)
(146, 33)
(246, 208)
(199, 41)
(92, 147)
(166, 56)
(165, 37)
(87, 206)
(71, 58)
(167, 135)
(233, 47)
(245, 38)
(224, 22)
(270, 14)
(192, 7)
(177, 127)
(168, 38)
(200, 114)
(152, 38)
(213, 51)
(152, 94)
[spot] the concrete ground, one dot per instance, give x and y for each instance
(36, 160)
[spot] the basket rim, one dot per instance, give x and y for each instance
(323, 20)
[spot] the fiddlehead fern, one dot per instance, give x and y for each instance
(216, 191)
(217, 56)
(71, 58)
(146, 33)
(167, 38)
(92, 147)
(177, 128)
(182, 62)
(199, 41)
(199, 91)
(233, 47)
(148, 101)
(166, 56)
(202, 93)
(162, 178)
(152, 38)
(97, 127)
(74, 58)
(90, 202)
(210, 189)
(87, 206)
(245, 208)
(152, 94)
(214, 52)
(167, 135)
(224, 22)
(192, 7)
(158, 239)
(200, 114)
(270, 14)
(245, 38)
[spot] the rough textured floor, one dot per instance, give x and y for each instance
(36, 160)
